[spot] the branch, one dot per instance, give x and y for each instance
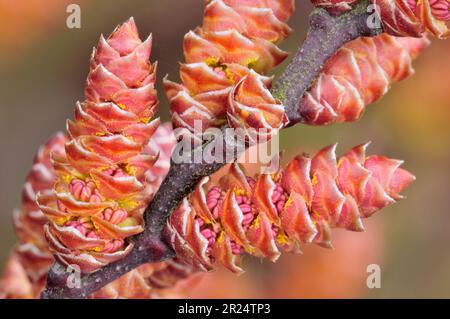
(326, 35)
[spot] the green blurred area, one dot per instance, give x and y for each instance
(42, 73)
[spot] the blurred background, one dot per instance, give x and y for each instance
(43, 66)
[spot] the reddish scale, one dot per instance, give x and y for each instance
(439, 8)
(412, 4)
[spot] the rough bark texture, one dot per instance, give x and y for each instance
(326, 35)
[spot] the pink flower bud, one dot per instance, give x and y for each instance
(301, 204)
(102, 190)
(414, 17)
(235, 38)
(359, 74)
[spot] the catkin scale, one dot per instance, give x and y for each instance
(271, 213)
(412, 18)
(102, 187)
(359, 74)
(237, 42)
(31, 258)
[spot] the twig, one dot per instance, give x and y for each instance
(326, 35)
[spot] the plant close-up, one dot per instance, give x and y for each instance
(148, 187)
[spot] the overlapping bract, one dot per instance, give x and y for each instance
(30, 261)
(161, 143)
(32, 250)
(15, 283)
(150, 281)
(270, 213)
(236, 43)
(252, 107)
(102, 188)
(334, 6)
(414, 17)
(359, 74)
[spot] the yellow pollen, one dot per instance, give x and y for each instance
(288, 202)
(275, 176)
(66, 178)
(61, 221)
(251, 63)
(122, 106)
(255, 223)
(316, 214)
(282, 239)
(239, 192)
(213, 61)
(221, 237)
(249, 249)
(130, 170)
(128, 204)
(314, 180)
(229, 74)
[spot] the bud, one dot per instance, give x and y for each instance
(268, 214)
(132, 285)
(359, 74)
(32, 250)
(251, 106)
(414, 17)
(161, 144)
(15, 283)
(101, 189)
(149, 281)
(235, 38)
(169, 276)
(334, 6)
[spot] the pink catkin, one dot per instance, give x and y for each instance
(300, 204)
